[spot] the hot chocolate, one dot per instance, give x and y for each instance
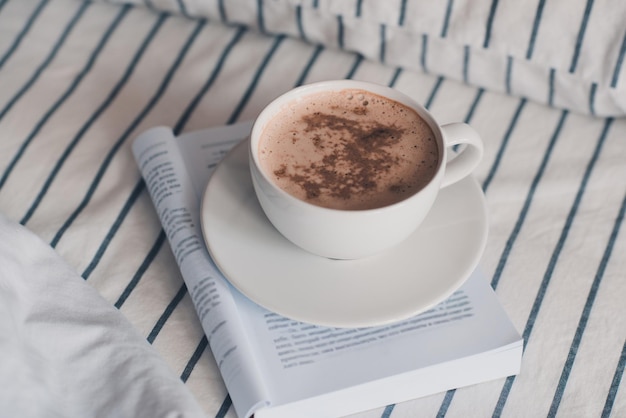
(348, 149)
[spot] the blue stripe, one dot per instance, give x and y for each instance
(445, 404)
(490, 19)
(300, 23)
(255, 80)
(446, 19)
(184, 118)
(581, 36)
(551, 87)
(619, 63)
(103, 106)
(204, 342)
(57, 105)
(340, 43)
(224, 408)
(509, 72)
(383, 42)
(508, 383)
(470, 113)
(584, 317)
(359, 8)
(222, 11)
(156, 247)
(53, 52)
(109, 157)
(534, 312)
(592, 98)
(355, 66)
(503, 145)
(169, 309)
(402, 15)
(424, 52)
(134, 195)
(2, 4)
(149, 4)
(466, 58)
(533, 34)
(474, 105)
(433, 93)
(183, 8)
(617, 378)
(20, 36)
(260, 17)
(526, 207)
(387, 412)
(307, 68)
(395, 77)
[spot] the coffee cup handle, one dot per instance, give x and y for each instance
(468, 158)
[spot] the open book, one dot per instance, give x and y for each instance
(277, 367)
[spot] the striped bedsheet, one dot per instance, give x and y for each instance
(80, 80)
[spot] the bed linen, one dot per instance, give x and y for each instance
(80, 80)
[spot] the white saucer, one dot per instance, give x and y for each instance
(394, 285)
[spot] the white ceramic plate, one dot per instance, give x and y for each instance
(394, 285)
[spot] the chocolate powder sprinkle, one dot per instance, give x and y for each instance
(355, 164)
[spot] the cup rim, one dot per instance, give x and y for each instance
(275, 105)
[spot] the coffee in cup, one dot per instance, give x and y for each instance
(347, 169)
(349, 149)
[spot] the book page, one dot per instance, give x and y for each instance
(177, 200)
(470, 322)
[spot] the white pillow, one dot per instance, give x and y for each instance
(564, 53)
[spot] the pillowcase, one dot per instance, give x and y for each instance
(563, 53)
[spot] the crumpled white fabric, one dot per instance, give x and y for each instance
(65, 351)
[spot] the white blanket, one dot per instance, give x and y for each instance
(66, 352)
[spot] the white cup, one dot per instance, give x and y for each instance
(353, 234)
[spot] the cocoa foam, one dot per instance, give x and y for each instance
(348, 149)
